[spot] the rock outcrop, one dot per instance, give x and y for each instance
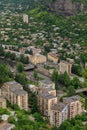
(65, 7)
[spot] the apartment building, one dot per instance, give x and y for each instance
(58, 114)
(75, 105)
(15, 94)
(65, 66)
(2, 102)
(48, 90)
(45, 101)
(47, 83)
(25, 18)
(53, 57)
(37, 59)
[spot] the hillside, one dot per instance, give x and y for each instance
(66, 7)
(74, 28)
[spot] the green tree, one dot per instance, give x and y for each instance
(55, 77)
(75, 82)
(76, 69)
(71, 91)
(35, 74)
(33, 102)
(85, 77)
(21, 78)
(64, 79)
(20, 67)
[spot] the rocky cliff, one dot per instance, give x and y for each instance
(65, 7)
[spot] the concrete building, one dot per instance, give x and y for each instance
(6, 126)
(48, 90)
(25, 18)
(65, 66)
(47, 83)
(15, 94)
(2, 102)
(58, 114)
(45, 101)
(53, 57)
(75, 105)
(37, 59)
(33, 88)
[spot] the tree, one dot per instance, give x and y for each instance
(23, 59)
(33, 102)
(75, 82)
(5, 74)
(55, 77)
(85, 77)
(71, 91)
(64, 79)
(1, 51)
(35, 74)
(76, 69)
(21, 78)
(20, 67)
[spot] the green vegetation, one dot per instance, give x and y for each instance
(78, 123)
(73, 27)
(20, 67)
(5, 74)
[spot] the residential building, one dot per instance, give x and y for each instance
(65, 66)
(53, 57)
(48, 90)
(25, 18)
(33, 88)
(2, 102)
(58, 114)
(15, 94)
(75, 105)
(37, 59)
(45, 101)
(6, 126)
(47, 83)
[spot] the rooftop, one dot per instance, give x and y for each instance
(58, 107)
(46, 81)
(47, 95)
(20, 92)
(14, 85)
(71, 99)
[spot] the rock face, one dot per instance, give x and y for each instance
(65, 7)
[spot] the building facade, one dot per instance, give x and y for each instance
(25, 18)
(75, 105)
(53, 57)
(59, 113)
(2, 102)
(37, 59)
(65, 66)
(45, 101)
(15, 94)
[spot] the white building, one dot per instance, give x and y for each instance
(25, 18)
